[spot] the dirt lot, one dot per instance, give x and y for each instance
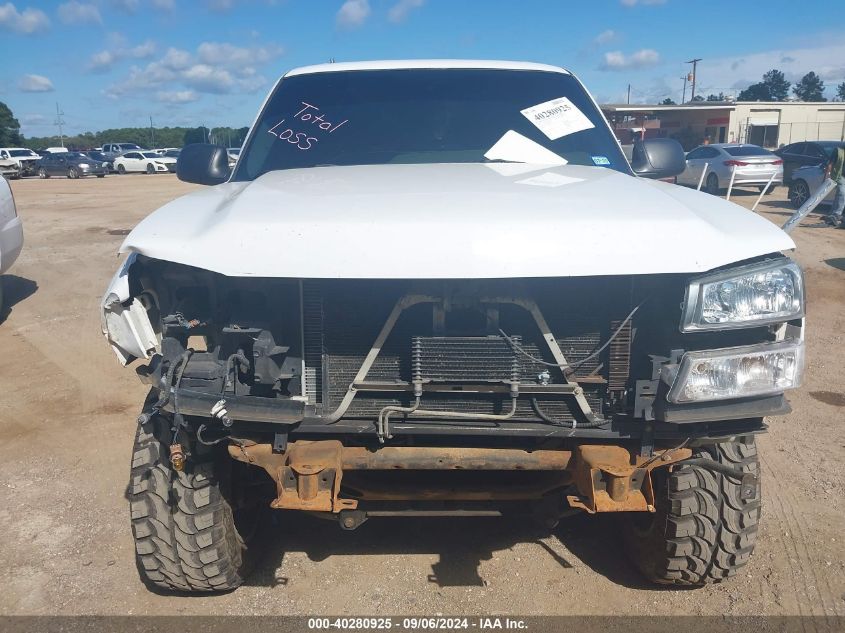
(67, 413)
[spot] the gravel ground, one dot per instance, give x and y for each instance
(67, 415)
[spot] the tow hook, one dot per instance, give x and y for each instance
(747, 481)
(351, 519)
(177, 457)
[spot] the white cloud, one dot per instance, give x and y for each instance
(633, 3)
(215, 68)
(616, 60)
(399, 12)
(27, 21)
(177, 96)
(131, 6)
(220, 5)
(226, 54)
(352, 14)
(35, 83)
(604, 37)
(104, 60)
(727, 74)
(33, 119)
(74, 12)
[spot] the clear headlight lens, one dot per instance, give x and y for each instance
(83, 165)
(738, 372)
(768, 292)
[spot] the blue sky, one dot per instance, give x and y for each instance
(114, 63)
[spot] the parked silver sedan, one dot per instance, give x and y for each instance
(806, 182)
(752, 166)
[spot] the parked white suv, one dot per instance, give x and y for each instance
(440, 286)
(11, 233)
(24, 158)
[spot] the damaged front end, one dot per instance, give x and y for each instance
(361, 397)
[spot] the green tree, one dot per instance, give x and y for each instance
(195, 135)
(697, 98)
(778, 85)
(755, 92)
(10, 129)
(840, 92)
(774, 87)
(810, 88)
(718, 97)
(668, 101)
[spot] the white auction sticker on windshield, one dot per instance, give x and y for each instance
(557, 118)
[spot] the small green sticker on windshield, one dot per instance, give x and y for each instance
(600, 160)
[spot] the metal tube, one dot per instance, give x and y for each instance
(703, 172)
(812, 202)
(765, 189)
(731, 185)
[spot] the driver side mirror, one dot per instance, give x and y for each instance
(658, 158)
(203, 164)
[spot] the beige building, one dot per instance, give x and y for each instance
(769, 124)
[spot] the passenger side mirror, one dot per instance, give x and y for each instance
(203, 164)
(658, 158)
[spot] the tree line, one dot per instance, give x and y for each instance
(775, 87)
(10, 135)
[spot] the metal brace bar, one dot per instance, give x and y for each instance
(401, 305)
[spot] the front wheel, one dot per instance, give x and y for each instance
(799, 192)
(703, 530)
(150, 168)
(42, 173)
(712, 185)
(183, 525)
(121, 170)
(72, 173)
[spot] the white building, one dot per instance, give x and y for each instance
(769, 124)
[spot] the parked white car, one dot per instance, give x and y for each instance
(24, 158)
(146, 162)
(11, 233)
(450, 266)
(750, 165)
(806, 181)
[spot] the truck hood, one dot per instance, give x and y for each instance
(438, 221)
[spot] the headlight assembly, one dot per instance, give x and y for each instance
(758, 294)
(738, 372)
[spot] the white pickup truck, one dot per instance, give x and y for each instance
(11, 234)
(439, 286)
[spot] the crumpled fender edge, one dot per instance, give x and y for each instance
(124, 320)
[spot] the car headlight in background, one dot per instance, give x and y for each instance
(738, 372)
(766, 292)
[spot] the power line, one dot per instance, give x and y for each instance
(60, 122)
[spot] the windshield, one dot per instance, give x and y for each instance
(97, 155)
(830, 148)
(128, 146)
(150, 155)
(22, 152)
(748, 150)
(428, 116)
(76, 155)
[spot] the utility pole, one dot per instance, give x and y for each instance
(694, 63)
(152, 134)
(60, 122)
(684, 97)
(629, 94)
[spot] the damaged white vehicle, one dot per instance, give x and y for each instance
(11, 234)
(439, 286)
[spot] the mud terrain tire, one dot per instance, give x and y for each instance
(702, 531)
(183, 526)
